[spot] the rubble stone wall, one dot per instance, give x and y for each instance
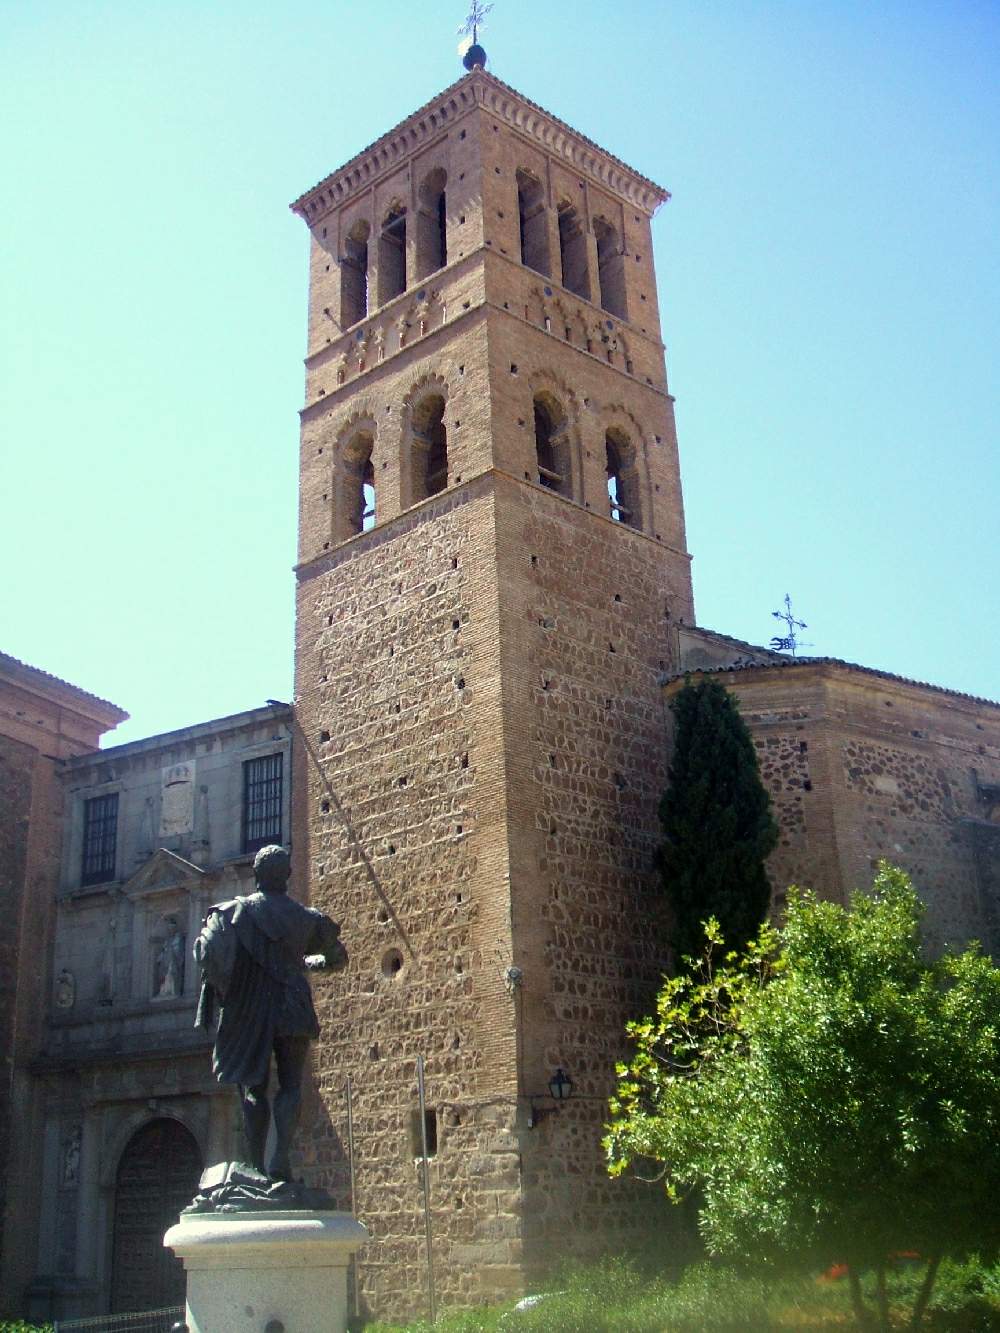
(861, 767)
(586, 633)
(398, 705)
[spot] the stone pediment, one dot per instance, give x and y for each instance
(164, 870)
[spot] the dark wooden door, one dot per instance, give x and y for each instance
(157, 1176)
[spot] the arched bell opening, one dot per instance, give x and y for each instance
(551, 446)
(357, 486)
(532, 223)
(623, 481)
(573, 251)
(392, 256)
(429, 446)
(354, 275)
(432, 223)
(610, 268)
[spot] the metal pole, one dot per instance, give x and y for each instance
(427, 1188)
(350, 1144)
(356, 1301)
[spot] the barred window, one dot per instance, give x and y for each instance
(100, 838)
(261, 802)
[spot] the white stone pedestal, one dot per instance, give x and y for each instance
(251, 1272)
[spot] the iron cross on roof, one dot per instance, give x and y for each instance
(788, 643)
(470, 28)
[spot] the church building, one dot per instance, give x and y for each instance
(494, 608)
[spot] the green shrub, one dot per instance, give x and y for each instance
(831, 1094)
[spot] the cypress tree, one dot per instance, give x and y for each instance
(717, 823)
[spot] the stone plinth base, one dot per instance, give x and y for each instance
(248, 1272)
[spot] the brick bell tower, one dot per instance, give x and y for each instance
(491, 566)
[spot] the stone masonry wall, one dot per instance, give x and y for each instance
(791, 732)
(910, 767)
(586, 629)
(862, 767)
(398, 706)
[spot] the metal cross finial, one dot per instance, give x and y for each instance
(788, 643)
(477, 13)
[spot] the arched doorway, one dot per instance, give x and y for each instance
(157, 1176)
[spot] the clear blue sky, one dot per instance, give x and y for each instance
(829, 271)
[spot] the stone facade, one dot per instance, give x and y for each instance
(43, 722)
(477, 668)
(862, 765)
(126, 1108)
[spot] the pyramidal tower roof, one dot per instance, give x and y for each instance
(479, 88)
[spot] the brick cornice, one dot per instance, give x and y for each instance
(501, 100)
(60, 692)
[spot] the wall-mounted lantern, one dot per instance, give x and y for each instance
(560, 1088)
(560, 1085)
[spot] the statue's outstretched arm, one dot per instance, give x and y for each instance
(331, 955)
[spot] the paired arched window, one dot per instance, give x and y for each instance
(623, 487)
(392, 255)
(354, 275)
(429, 464)
(551, 451)
(430, 448)
(432, 224)
(573, 251)
(533, 223)
(610, 268)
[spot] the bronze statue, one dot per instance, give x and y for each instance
(253, 953)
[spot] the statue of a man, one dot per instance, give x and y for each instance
(169, 970)
(252, 953)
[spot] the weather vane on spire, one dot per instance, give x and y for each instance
(468, 48)
(788, 643)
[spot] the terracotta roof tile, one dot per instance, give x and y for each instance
(780, 662)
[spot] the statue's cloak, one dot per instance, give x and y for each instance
(251, 954)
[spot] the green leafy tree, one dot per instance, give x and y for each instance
(829, 1096)
(717, 824)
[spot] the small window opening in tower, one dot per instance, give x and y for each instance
(392, 256)
(533, 223)
(550, 447)
(573, 252)
(354, 276)
(430, 448)
(622, 500)
(610, 268)
(430, 1131)
(432, 224)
